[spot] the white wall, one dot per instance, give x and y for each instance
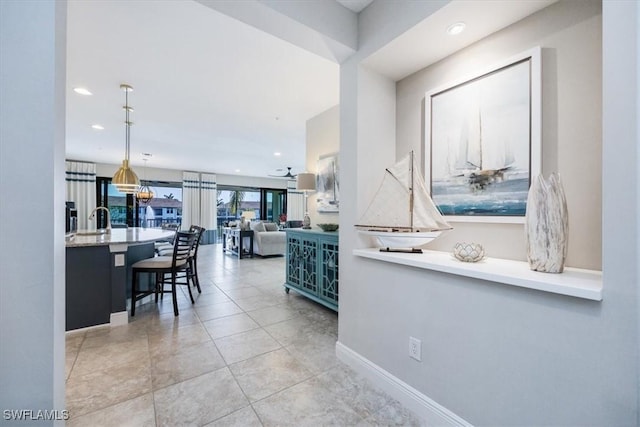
(570, 34)
(494, 354)
(32, 278)
(323, 138)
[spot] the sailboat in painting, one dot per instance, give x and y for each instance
(480, 163)
(401, 214)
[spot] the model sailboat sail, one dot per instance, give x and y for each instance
(402, 213)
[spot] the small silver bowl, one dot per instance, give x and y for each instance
(468, 252)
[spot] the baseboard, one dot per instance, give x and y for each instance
(430, 411)
(119, 319)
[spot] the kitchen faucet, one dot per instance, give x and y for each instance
(93, 215)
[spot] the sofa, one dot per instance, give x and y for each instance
(267, 239)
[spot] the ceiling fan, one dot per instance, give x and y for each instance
(287, 175)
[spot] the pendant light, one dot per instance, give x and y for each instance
(144, 194)
(125, 179)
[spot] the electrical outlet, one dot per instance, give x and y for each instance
(415, 349)
(119, 260)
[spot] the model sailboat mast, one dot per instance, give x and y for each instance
(411, 190)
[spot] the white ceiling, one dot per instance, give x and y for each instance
(213, 94)
(429, 42)
(210, 93)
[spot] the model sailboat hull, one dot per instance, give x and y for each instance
(399, 239)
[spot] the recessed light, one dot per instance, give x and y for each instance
(277, 154)
(82, 91)
(456, 28)
(97, 127)
(237, 170)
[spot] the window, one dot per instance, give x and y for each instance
(166, 205)
(232, 201)
(120, 205)
(267, 204)
(125, 209)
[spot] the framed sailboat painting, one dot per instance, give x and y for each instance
(327, 184)
(482, 137)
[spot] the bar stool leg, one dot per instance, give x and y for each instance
(189, 286)
(157, 286)
(195, 274)
(173, 293)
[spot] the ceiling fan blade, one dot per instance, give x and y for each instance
(287, 175)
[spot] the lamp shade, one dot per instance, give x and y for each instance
(306, 181)
(249, 215)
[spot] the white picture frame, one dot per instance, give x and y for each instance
(483, 141)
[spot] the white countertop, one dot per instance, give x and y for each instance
(121, 236)
(573, 282)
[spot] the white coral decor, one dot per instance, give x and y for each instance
(547, 225)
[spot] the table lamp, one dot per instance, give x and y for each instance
(247, 216)
(306, 182)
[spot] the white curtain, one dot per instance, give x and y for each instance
(295, 203)
(208, 207)
(190, 199)
(81, 189)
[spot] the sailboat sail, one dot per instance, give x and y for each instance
(426, 214)
(402, 202)
(483, 154)
(470, 148)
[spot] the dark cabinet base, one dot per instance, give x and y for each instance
(95, 286)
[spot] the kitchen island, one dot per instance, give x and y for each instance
(98, 273)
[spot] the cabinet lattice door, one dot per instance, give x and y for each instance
(312, 265)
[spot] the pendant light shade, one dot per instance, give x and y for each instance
(144, 194)
(125, 179)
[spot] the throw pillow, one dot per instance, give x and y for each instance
(270, 226)
(258, 227)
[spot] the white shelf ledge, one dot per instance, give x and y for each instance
(574, 282)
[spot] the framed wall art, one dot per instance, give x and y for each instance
(327, 184)
(482, 137)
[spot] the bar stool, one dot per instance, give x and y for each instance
(162, 266)
(192, 273)
(193, 259)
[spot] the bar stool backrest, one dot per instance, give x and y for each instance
(199, 231)
(182, 247)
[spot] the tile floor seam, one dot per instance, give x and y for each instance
(283, 389)
(249, 358)
(238, 384)
(257, 414)
(75, 359)
(188, 379)
(155, 410)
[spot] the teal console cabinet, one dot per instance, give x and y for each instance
(312, 265)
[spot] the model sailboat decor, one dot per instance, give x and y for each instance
(402, 215)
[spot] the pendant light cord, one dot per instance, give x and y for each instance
(128, 124)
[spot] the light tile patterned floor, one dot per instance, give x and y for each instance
(245, 354)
